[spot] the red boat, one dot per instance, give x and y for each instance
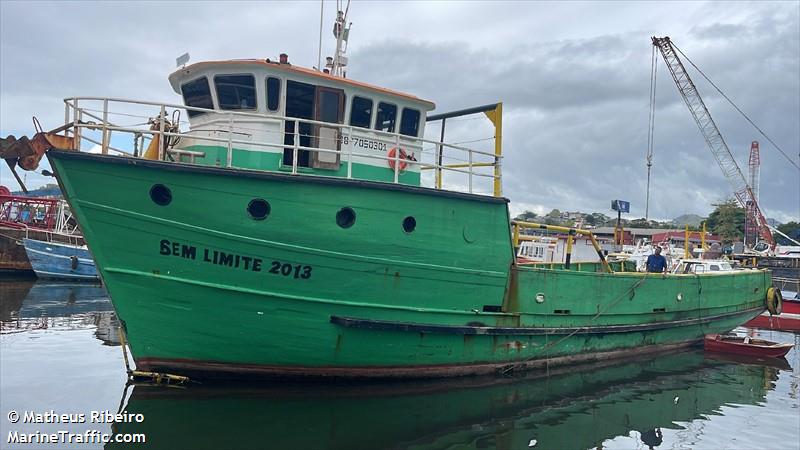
(782, 322)
(745, 345)
(790, 305)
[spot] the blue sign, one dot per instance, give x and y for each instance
(621, 206)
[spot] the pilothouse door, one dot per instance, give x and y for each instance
(329, 108)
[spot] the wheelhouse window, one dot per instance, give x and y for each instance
(330, 105)
(273, 93)
(385, 117)
(361, 112)
(409, 122)
(236, 91)
(197, 94)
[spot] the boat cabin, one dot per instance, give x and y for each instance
(278, 112)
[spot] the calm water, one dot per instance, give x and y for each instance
(59, 352)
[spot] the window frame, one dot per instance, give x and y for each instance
(280, 94)
(255, 92)
(212, 95)
(419, 120)
(375, 121)
(371, 112)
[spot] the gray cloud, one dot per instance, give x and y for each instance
(574, 79)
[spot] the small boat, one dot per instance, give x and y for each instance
(745, 345)
(791, 302)
(783, 322)
(785, 316)
(60, 261)
(28, 216)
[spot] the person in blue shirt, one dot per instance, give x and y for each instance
(657, 263)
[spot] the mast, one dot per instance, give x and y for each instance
(341, 30)
(319, 52)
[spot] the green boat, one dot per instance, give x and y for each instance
(301, 226)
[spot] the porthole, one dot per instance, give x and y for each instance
(346, 217)
(258, 208)
(160, 194)
(409, 224)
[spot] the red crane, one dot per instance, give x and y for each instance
(751, 215)
(741, 189)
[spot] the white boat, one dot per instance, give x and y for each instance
(685, 266)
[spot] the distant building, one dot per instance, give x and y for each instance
(47, 191)
(675, 237)
(678, 237)
(577, 215)
(629, 235)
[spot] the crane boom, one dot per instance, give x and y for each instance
(741, 190)
(750, 216)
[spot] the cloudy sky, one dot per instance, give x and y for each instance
(574, 79)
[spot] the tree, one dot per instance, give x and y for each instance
(791, 229)
(555, 214)
(639, 223)
(527, 216)
(596, 219)
(553, 217)
(727, 221)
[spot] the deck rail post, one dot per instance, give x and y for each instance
(66, 118)
(498, 149)
(439, 153)
(77, 116)
(104, 145)
(568, 256)
(229, 162)
(349, 152)
(396, 158)
(470, 171)
(162, 116)
(296, 148)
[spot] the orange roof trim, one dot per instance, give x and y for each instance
(296, 69)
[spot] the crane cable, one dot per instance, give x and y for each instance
(737, 108)
(651, 127)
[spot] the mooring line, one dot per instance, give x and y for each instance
(629, 291)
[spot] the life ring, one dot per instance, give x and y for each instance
(774, 301)
(403, 158)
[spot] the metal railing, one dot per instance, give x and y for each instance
(516, 225)
(789, 284)
(93, 114)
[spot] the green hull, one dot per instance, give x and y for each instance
(201, 287)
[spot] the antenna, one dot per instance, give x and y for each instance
(319, 54)
(341, 30)
(181, 61)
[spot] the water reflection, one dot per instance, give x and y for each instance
(566, 410)
(27, 305)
